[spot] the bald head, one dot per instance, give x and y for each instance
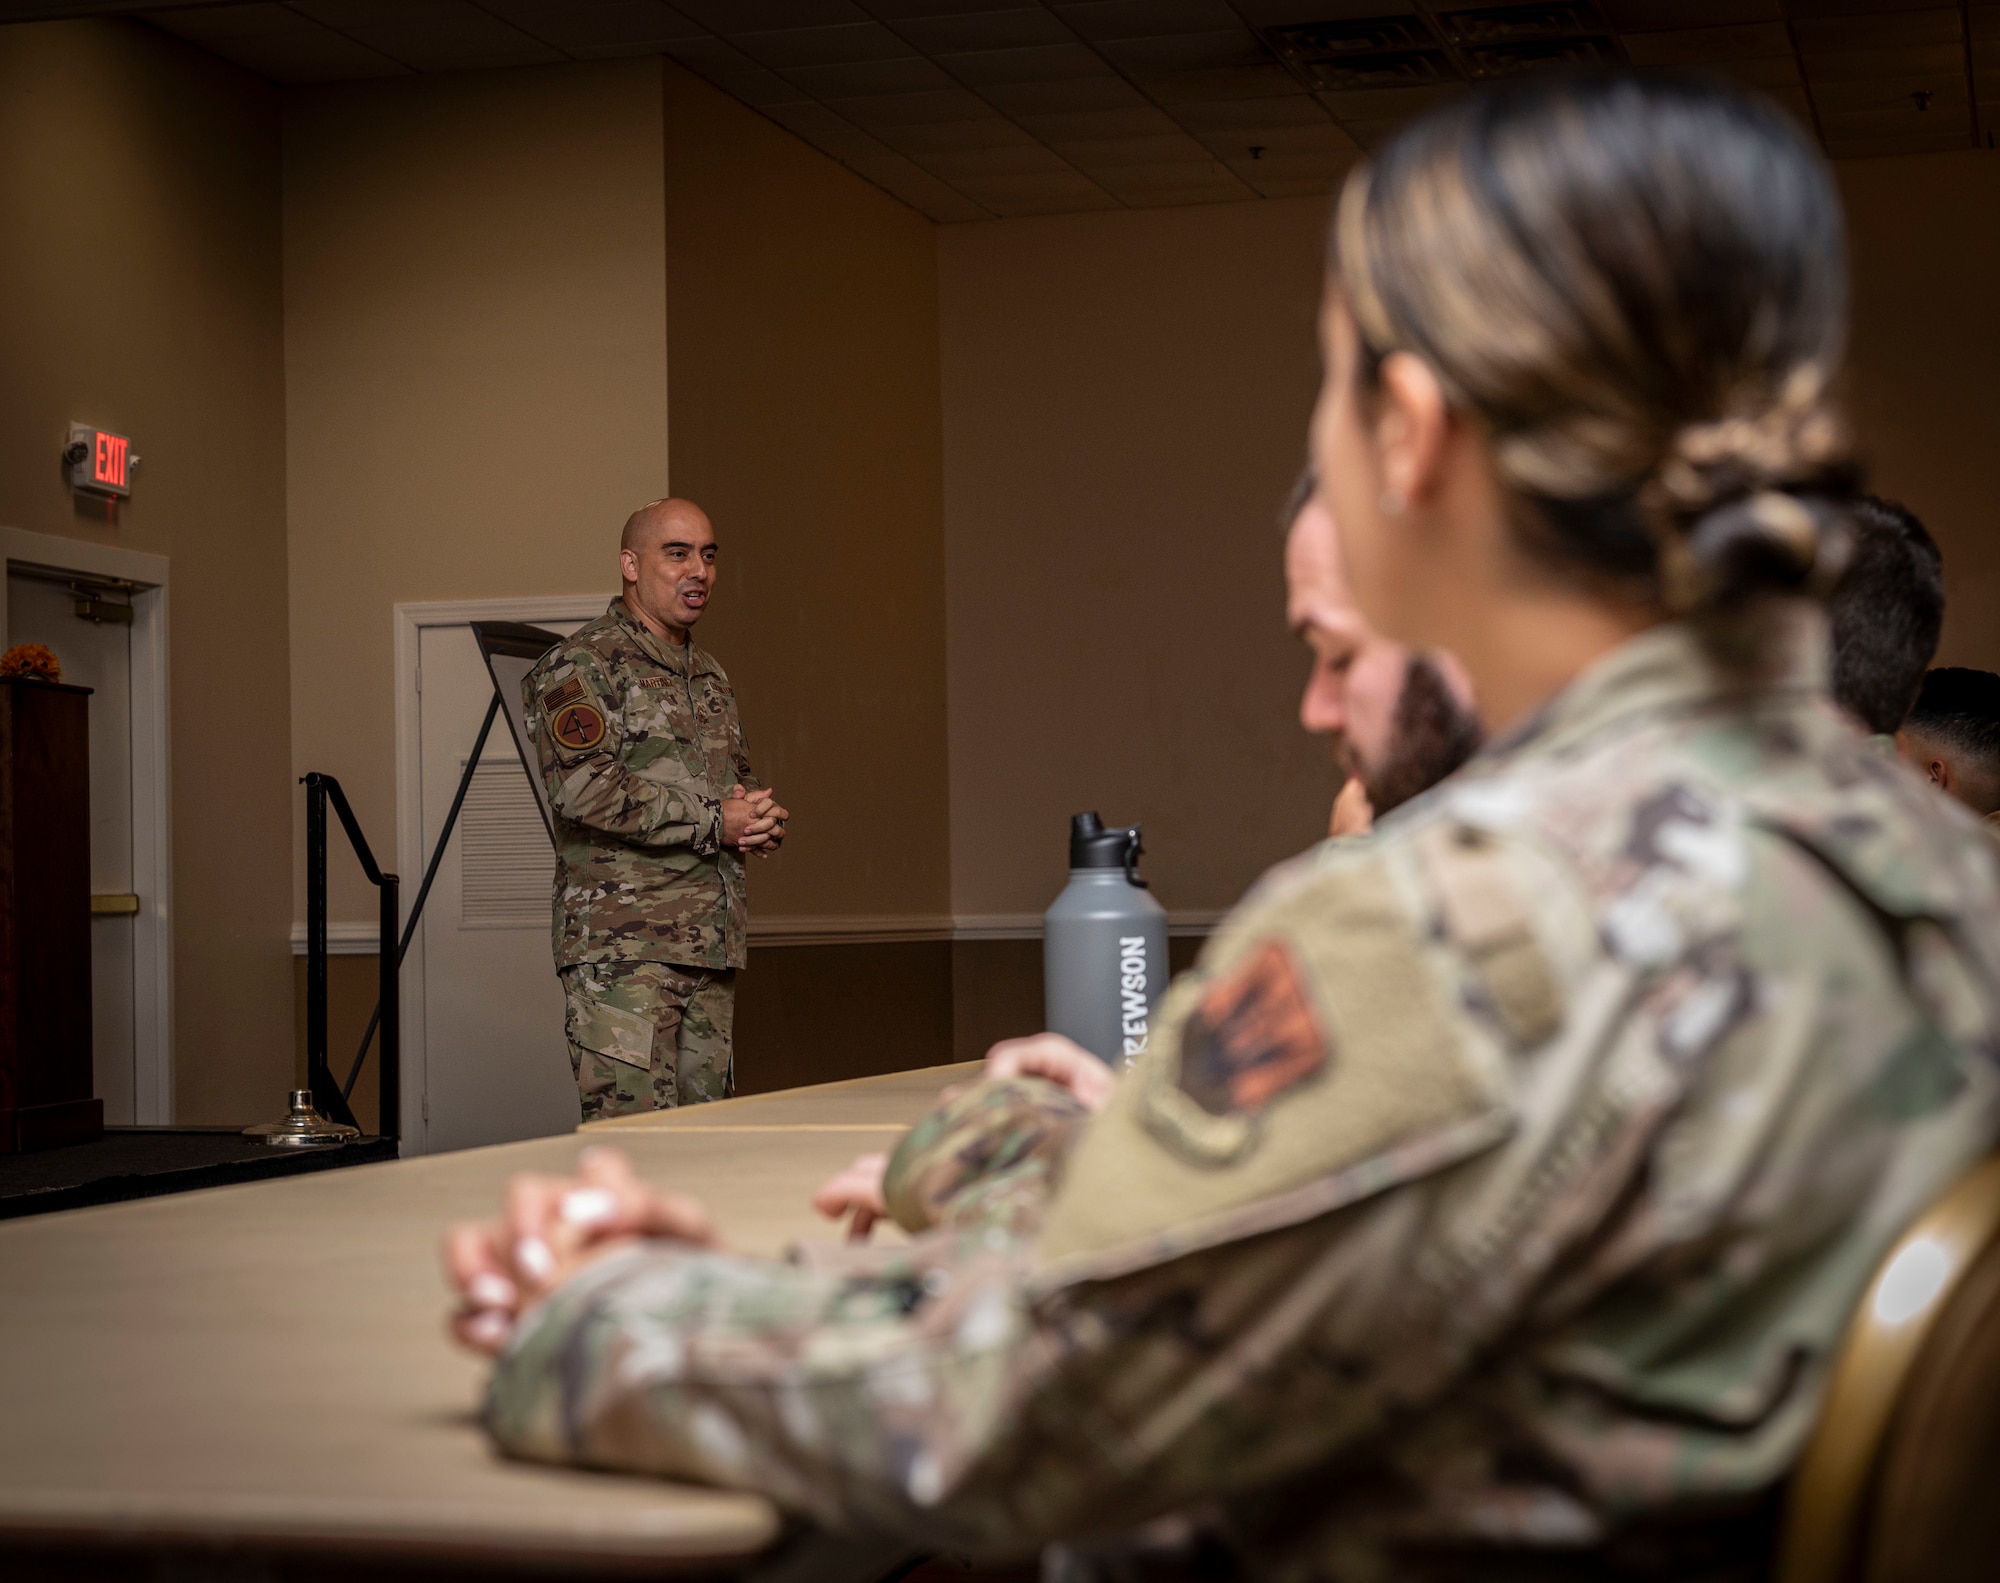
(658, 519)
(666, 557)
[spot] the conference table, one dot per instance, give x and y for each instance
(261, 1372)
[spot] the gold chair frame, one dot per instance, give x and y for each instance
(1877, 1356)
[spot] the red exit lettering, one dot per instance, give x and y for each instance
(110, 468)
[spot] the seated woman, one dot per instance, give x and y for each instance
(1498, 1187)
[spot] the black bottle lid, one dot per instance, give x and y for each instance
(1091, 845)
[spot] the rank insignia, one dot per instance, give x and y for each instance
(577, 726)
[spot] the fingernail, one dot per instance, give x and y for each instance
(589, 1206)
(533, 1256)
(489, 1328)
(492, 1291)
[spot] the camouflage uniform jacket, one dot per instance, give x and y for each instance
(1497, 1185)
(639, 744)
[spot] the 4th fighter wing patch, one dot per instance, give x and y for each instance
(575, 722)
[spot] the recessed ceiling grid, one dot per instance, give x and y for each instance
(971, 109)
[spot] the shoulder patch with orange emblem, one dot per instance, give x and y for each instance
(575, 722)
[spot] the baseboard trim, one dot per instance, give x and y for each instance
(363, 939)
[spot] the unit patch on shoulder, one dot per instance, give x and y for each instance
(577, 726)
(1252, 1037)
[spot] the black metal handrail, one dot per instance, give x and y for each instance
(329, 1098)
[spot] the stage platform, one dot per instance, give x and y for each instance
(255, 1380)
(144, 1162)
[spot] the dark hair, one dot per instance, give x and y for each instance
(1638, 286)
(1885, 613)
(1961, 709)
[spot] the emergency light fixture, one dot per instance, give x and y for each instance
(99, 462)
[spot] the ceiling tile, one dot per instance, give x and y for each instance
(1774, 73)
(598, 27)
(732, 71)
(976, 164)
(1890, 96)
(930, 137)
(1231, 115)
(1819, 34)
(1861, 66)
(1044, 63)
(1105, 19)
(437, 35)
(1230, 82)
(1054, 193)
(1702, 45)
(1286, 13)
(1187, 51)
(1280, 142)
(277, 43)
(1170, 148)
(744, 16)
(1386, 104)
(1801, 9)
(952, 35)
(783, 49)
(898, 11)
(1137, 120)
(865, 78)
(1643, 16)
(1073, 93)
(810, 120)
(912, 109)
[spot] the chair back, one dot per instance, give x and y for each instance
(1896, 1483)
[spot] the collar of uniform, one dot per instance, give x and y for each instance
(675, 658)
(1777, 649)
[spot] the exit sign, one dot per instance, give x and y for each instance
(99, 462)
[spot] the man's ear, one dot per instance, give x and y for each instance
(1411, 426)
(1939, 771)
(628, 565)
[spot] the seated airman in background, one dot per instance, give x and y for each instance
(1400, 722)
(1951, 736)
(1884, 616)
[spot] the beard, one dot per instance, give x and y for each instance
(1433, 734)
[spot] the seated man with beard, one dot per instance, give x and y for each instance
(1401, 721)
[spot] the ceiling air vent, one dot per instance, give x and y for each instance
(1373, 52)
(1485, 26)
(1509, 59)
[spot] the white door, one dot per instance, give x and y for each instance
(495, 1064)
(97, 655)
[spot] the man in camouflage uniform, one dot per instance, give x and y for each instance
(1495, 1199)
(655, 805)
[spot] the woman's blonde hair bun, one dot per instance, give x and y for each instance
(1637, 285)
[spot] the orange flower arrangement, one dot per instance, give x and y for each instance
(34, 660)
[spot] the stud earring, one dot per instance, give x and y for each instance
(1392, 502)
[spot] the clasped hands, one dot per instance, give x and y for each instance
(752, 821)
(549, 1227)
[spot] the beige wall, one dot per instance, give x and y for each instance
(1926, 353)
(475, 355)
(1125, 402)
(139, 290)
(1125, 407)
(805, 418)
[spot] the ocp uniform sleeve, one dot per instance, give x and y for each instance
(578, 737)
(1230, 1282)
(989, 1156)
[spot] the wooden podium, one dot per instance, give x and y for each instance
(45, 1036)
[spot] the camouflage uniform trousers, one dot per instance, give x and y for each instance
(649, 1035)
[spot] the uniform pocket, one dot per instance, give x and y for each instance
(595, 1021)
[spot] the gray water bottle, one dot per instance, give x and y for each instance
(1104, 945)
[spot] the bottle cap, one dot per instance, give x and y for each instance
(1092, 845)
